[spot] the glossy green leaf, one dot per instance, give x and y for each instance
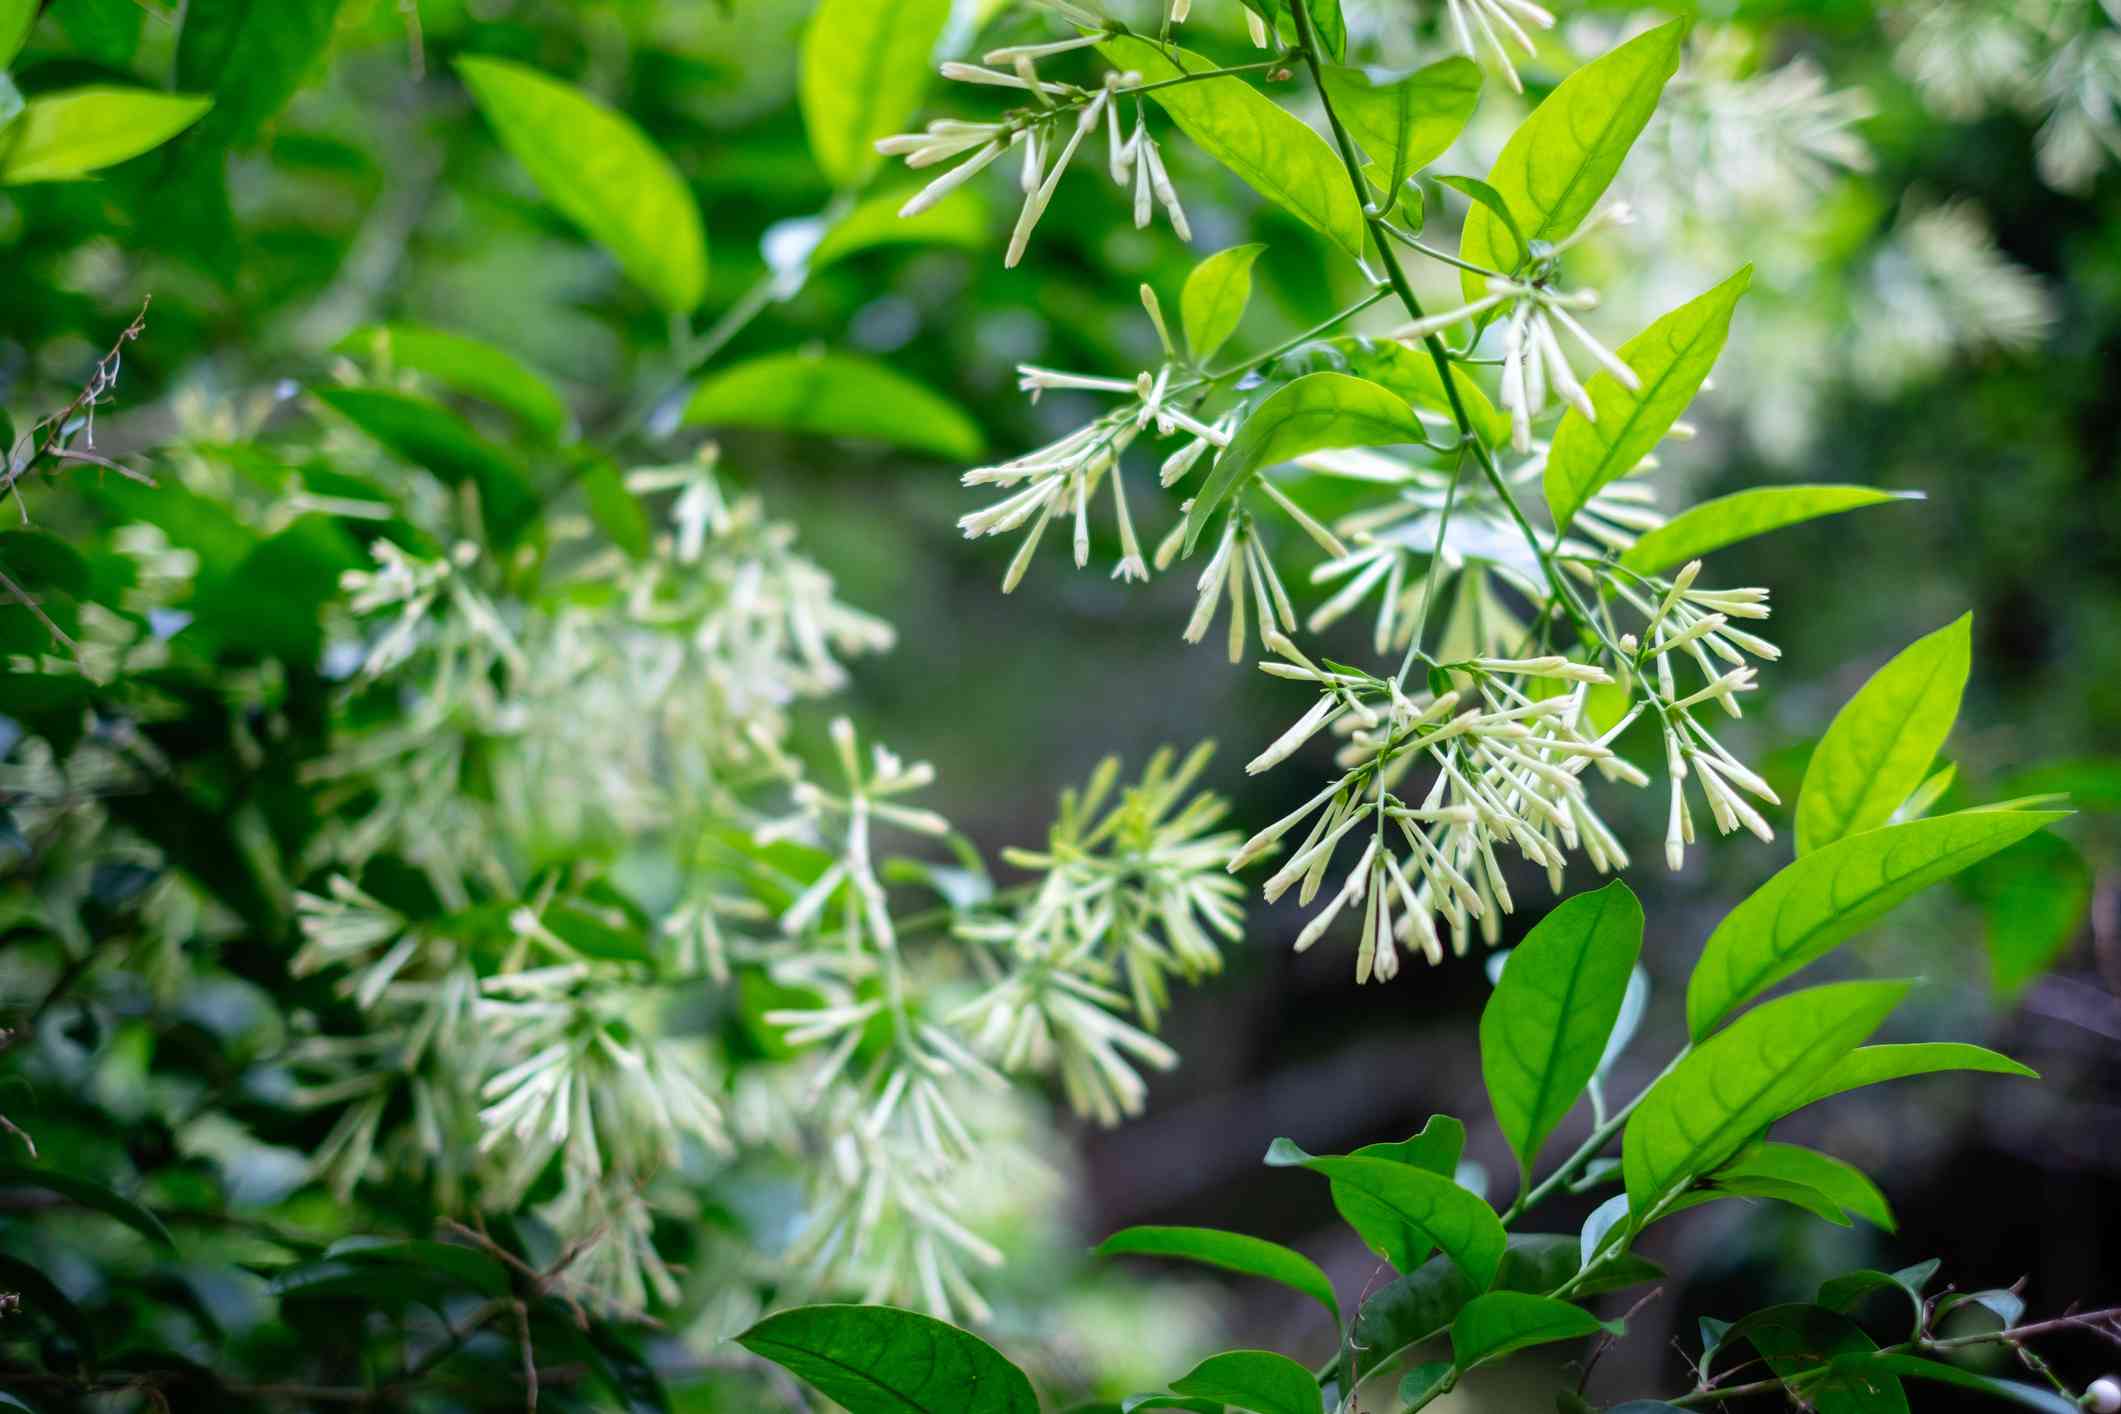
(1880, 744)
(864, 67)
(1214, 299)
(1231, 1251)
(1764, 1065)
(880, 1360)
(1816, 904)
(1311, 414)
(1276, 153)
(251, 55)
(835, 395)
(1437, 1149)
(1463, 1226)
(1798, 1337)
(1562, 158)
(1841, 1182)
(1915, 1367)
(16, 17)
(1258, 1380)
(1410, 373)
(1670, 359)
(1848, 1290)
(1502, 1322)
(429, 435)
(959, 219)
(68, 134)
(1798, 1195)
(1545, 1027)
(2034, 899)
(94, 1196)
(603, 174)
(465, 365)
(1726, 520)
(1327, 22)
(1404, 123)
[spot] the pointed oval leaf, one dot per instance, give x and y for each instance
(1276, 153)
(835, 395)
(1437, 1148)
(1311, 414)
(1671, 358)
(1502, 1322)
(1259, 1380)
(1215, 297)
(1842, 1183)
(90, 1195)
(465, 365)
(603, 174)
(1726, 520)
(1231, 1251)
(1915, 1367)
(60, 136)
(1816, 904)
(1766, 1064)
(1411, 373)
(864, 68)
(1881, 742)
(1798, 1337)
(881, 1360)
(1404, 123)
(1464, 1226)
(1561, 159)
(1545, 1028)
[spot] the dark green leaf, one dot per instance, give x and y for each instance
(429, 435)
(464, 365)
(41, 1297)
(1437, 1149)
(1501, 1322)
(472, 1268)
(864, 68)
(1452, 1218)
(1842, 1183)
(94, 1196)
(251, 55)
(1258, 1380)
(835, 395)
(2010, 1391)
(1726, 520)
(879, 1360)
(1797, 1337)
(1232, 1251)
(2034, 899)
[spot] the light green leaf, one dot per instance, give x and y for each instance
(1561, 159)
(1411, 373)
(1276, 153)
(1437, 1149)
(603, 174)
(1842, 1183)
(835, 395)
(1502, 1322)
(880, 1360)
(1915, 1367)
(464, 365)
(1404, 123)
(1214, 299)
(1764, 1065)
(429, 435)
(1258, 1380)
(1816, 904)
(616, 510)
(1326, 22)
(16, 16)
(1454, 1219)
(1309, 414)
(959, 219)
(1726, 520)
(1491, 203)
(1671, 358)
(1231, 1251)
(1545, 1027)
(864, 68)
(1873, 1065)
(1882, 741)
(90, 1195)
(60, 136)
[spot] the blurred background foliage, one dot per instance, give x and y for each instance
(1932, 191)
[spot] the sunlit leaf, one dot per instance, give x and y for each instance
(1231, 1251)
(864, 67)
(880, 1360)
(1501, 1322)
(1257, 1380)
(1880, 744)
(1726, 520)
(959, 219)
(1405, 122)
(603, 174)
(68, 134)
(466, 365)
(835, 395)
(1455, 1220)
(1214, 299)
(1816, 904)
(16, 17)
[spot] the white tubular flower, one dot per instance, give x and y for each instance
(1240, 571)
(1490, 15)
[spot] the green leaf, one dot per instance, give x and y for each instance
(1492, 203)
(1411, 373)
(1671, 359)
(1214, 299)
(94, 1196)
(42, 1297)
(1275, 152)
(603, 174)
(1310, 414)
(1850, 1288)
(251, 55)
(1258, 1380)
(1326, 22)
(616, 510)
(1451, 1217)
(835, 395)
(1231, 1251)
(1502, 1322)
(465, 365)
(1437, 1149)
(959, 219)
(429, 435)
(1561, 159)
(1405, 123)
(1726, 520)
(1764, 1065)
(1816, 904)
(880, 1360)
(1842, 1183)
(466, 1265)
(2034, 898)
(60, 136)
(1798, 1337)
(1871, 1065)
(1881, 742)
(16, 17)
(864, 67)
(1914, 1367)
(1545, 1027)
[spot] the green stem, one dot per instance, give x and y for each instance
(1588, 1150)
